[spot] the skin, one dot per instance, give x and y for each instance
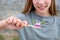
(12, 23)
(41, 9)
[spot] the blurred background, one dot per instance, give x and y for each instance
(13, 7)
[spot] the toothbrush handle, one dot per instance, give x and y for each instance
(33, 26)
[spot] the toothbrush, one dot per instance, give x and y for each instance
(33, 26)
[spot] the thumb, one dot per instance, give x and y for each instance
(25, 23)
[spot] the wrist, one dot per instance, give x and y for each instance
(2, 25)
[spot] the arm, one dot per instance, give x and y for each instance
(12, 23)
(3, 24)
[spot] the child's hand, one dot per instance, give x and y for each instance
(3, 24)
(14, 23)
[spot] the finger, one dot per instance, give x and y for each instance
(15, 20)
(19, 24)
(10, 19)
(25, 23)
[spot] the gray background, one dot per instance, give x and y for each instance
(13, 7)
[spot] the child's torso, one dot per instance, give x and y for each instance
(48, 28)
